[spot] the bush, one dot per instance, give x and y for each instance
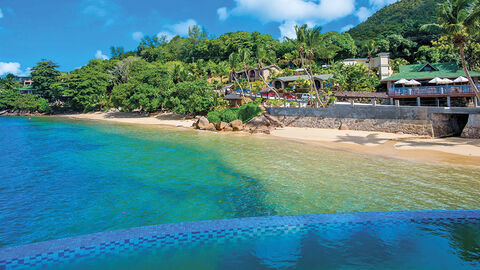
(229, 115)
(43, 106)
(248, 112)
(214, 117)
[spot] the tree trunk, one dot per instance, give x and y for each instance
(311, 80)
(243, 94)
(314, 85)
(464, 64)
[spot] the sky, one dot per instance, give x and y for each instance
(72, 32)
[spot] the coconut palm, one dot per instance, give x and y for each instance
(244, 55)
(232, 61)
(308, 41)
(261, 57)
(460, 20)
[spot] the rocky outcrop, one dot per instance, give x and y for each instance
(237, 125)
(202, 123)
(220, 126)
(260, 124)
(472, 129)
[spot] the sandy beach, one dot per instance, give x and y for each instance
(401, 146)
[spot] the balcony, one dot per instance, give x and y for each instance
(432, 91)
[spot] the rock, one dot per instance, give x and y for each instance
(220, 126)
(237, 125)
(3, 112)
(228, 128)
(203, 123)
(343, 127)
(210, 127)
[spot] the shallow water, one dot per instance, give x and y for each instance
(60, 178)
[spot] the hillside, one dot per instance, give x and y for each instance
(403, 17)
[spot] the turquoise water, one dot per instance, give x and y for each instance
(60, 178)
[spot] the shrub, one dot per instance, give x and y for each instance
(214, 117)
(248, 112)
(229, 115)
(43, 106)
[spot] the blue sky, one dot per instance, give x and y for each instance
(71, 32)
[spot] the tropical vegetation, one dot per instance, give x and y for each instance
(184, 74)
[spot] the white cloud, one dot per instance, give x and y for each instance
(294, 10)
(346, 28)
(137, 36)
(222, 13)
(180, 29)
(287, 29)
(363, 13)
(103, 10)
(1, 13)
(166, 34)
(100, 55)
(14, 68)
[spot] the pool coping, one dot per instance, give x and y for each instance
(94, 239)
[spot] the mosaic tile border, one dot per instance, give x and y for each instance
(71, 249)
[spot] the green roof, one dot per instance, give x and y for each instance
(443, 70)
(322, 77)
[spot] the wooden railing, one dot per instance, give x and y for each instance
(432, 90)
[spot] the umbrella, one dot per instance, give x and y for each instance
(461, 79)
(436, 81)
(401, 81)
(447, 81)
(413, 82)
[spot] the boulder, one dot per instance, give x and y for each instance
(343, 127)
(237, 125)
(260, 124)
(220, 126)
(228, 128)
(203, 123)
(210, 127)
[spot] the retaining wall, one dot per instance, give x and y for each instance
(424, 121)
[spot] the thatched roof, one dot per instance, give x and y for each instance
(232, 96)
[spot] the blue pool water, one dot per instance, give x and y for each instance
(395, 240)
(62, 178)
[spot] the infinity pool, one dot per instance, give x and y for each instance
(61, 178)
(393, 240)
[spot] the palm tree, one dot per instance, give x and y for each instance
(261, 57)
(232, 61)
(244, 55)
(308, 41)
(460, 20)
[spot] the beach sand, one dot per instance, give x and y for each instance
(455, 151)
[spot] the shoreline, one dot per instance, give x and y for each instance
(453, 151)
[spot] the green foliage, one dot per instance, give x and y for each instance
(44, 76)
(8, 98)
(214, 117)
(9, 83)
(248, 111)
(356, 78)
(403, 17)
(43, 106)
(229, 115)
(87, 86)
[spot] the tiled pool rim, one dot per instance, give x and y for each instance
(72, 243)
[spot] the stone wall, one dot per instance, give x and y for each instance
(424, 121)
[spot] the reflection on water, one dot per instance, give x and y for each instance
(60, 178)
(374, 245)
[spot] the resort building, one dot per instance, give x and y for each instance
(254, 73)
(285, 82)
(379, 63)
(436, 84)
(25, 81)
